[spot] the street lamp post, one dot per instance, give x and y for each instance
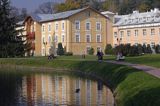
(45, 44)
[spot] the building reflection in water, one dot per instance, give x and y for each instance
(46, 90)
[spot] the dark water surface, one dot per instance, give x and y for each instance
(41, 89)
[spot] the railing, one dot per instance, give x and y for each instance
(31, 35)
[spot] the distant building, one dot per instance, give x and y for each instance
(135, 28)
(77, 30)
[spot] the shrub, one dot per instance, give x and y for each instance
(60, 50)
(68, 54)
(140, 49)
(133, 51)
(108, 49)
(144, 48)
(91, 51)
(157, 48)
(149, 50)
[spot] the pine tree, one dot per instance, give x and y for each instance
(10, 44)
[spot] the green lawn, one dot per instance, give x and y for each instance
(131, 87)
(150, 60)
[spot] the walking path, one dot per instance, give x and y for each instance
(148, 69)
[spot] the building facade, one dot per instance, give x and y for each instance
(77, 30)
(135, 28)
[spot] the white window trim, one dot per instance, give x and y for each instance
(34, 26)
(56, 30)
(49, 36)
(42, 39)
(89, 26)
(136, 32)
(100, 26)
(56, 38)
(79, 37)
(100, 38)
(78, 26)
(121, 34)
(63, 23)
(90, 38)
(49, 24)
(43, 26)
(62, 38)
(145, 32)
(153, 30)
(128, 33)
(115, 35)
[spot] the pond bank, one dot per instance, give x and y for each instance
(130, 87)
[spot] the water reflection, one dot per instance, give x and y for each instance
(53, 90)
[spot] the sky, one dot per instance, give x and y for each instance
(31, 5)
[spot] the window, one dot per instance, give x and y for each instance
(88, 26)
(128, 33)
(62, 26)
(56, 38)
(98, 26)
(43, 39)
(43, 28)
(49, 39)
(136, 32)
(115, 34)
(56, 26)
(152, 31)
(49, 27)
(144, 32)
(122, 33)
(77, 37)
(98, 38)
(77, 25)
(88, 38)
(63, 38)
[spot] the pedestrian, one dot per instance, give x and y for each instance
(99, 55)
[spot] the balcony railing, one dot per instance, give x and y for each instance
(31, 35)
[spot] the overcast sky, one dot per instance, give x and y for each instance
(31, 5)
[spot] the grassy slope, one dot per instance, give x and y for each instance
(131, 87)
(150, 60)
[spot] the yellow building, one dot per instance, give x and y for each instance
(77, 30)
(135, 28)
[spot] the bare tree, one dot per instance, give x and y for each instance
(46, 8)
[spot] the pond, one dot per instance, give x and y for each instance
(50, 89)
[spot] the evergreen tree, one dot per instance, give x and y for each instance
(157, 49)
(11, 45)
(108, 49)
(144, 48)
(60, 50)
(140, 49)
(149, 50)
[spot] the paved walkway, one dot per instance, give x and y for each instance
(148, 69)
